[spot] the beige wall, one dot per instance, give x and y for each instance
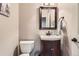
(70, 12)
(9, 31)
(29, 21)
(78, 20)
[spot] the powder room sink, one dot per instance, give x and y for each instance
(50, 37)
(51, 45)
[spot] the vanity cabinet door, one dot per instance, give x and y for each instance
(51, 48)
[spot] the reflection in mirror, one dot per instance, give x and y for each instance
(48, 17)
(45, 16)
(52, 18)
(43, 21)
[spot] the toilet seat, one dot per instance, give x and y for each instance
(24, 55)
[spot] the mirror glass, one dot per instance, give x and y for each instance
(48, 17)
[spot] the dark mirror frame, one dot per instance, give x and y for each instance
(40, 18)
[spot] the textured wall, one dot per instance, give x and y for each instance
(9, 31)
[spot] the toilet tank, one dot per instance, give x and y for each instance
(26, 46)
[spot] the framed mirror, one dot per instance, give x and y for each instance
(48, 17)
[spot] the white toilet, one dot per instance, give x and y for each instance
(26, 47)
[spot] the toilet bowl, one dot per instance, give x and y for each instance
(26, 47)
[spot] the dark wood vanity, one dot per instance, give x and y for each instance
(50, 48)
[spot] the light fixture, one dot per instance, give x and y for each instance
(48, 4)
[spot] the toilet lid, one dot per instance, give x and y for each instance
(24, 55)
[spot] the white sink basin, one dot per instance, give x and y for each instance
(50, 37)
